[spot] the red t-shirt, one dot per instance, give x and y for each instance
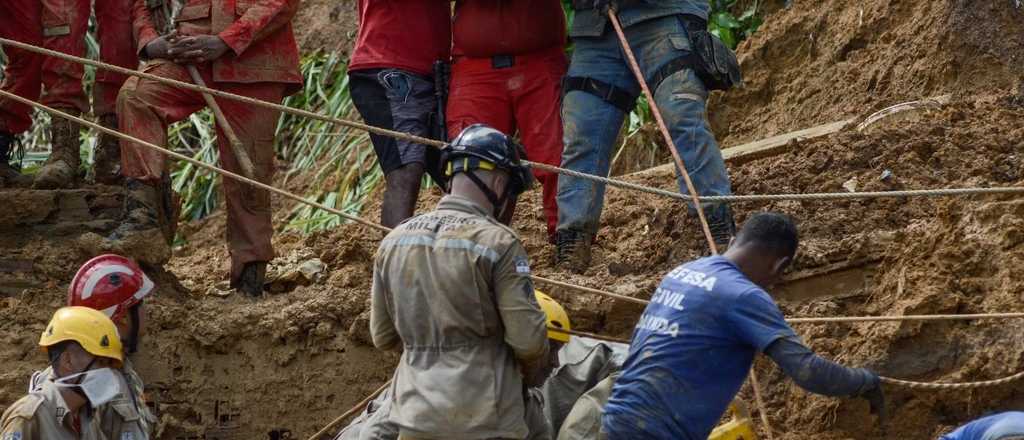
(403, 34)
(507, 27)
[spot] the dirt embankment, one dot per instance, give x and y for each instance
(825, 60)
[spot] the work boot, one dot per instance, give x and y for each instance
(10, 177)
(722, 225)
(61, 169)
(252, 279)
(148, 208)
(572, 250)
(107, 157)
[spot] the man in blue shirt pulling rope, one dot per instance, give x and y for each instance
(696, 342)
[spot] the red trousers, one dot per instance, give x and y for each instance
(61, 25)
(145, 108)
(524, 97)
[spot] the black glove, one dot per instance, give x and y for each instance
(873, 394)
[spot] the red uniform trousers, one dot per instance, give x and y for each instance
(145, 108)
(524, 97)
(65, 23)
(20, 21)
(61, 25)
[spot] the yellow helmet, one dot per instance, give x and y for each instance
(90, 328)
(556, 315)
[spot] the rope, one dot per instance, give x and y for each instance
(359, 407)
(438, 144)
(952, 386)
(964, 317)
(589, 335)
(669, 143)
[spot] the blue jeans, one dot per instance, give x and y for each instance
(592, 125)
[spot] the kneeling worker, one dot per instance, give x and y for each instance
(452, 288)
(83, 347)
(696, 341)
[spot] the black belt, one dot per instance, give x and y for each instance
(618, 97)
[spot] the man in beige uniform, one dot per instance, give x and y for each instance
(452, 288)
(83, 347)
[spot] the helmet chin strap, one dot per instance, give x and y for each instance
(499, 203)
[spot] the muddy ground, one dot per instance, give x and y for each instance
(229, 367)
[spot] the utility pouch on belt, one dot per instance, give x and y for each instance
(714, 62)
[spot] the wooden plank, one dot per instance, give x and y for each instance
(765, 147)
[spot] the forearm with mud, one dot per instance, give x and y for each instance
(815, 374)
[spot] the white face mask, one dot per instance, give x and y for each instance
(99, 386)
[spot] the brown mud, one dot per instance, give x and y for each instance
(225, 366)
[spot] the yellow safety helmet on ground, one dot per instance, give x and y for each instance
(90, 328)
(557, 317)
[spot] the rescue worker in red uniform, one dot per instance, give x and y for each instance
(391, 80)
(61, 25)
(245, 47)
(508, 62)
(20, 21)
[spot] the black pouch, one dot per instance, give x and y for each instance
(715, 63)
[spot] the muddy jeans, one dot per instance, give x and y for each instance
(591, 125)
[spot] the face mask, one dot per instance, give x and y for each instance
(99, 386)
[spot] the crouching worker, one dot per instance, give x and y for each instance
(374, 423)
(452, 289)
(84, 349)
(696, 341)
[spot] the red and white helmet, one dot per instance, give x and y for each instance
(111, 284)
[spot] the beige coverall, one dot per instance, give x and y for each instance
(453, 287)
(126, 417)
(43, 415)
(584, 421)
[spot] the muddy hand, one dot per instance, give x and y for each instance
(197, 49)
(158, 48)
(876, 399)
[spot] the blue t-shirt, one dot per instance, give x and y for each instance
(993, 427)
(691, 352)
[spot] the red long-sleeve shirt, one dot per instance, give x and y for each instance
(403, 34)
(485, 28)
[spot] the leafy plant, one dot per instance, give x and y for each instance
(730, 28)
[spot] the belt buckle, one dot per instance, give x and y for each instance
(503, 61)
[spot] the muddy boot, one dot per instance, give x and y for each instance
(61, 169)
(572, 250)
(107, 157)
(10, 177)
(143, 233)
(252, 279)
(723, 227)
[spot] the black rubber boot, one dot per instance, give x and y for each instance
(10, 177)
(107, 157)
(61, 169)
(572, 250)
(403, 188)
(722, 225)
(252, 279)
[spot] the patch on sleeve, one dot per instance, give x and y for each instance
(12, 436)
(522, 266)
